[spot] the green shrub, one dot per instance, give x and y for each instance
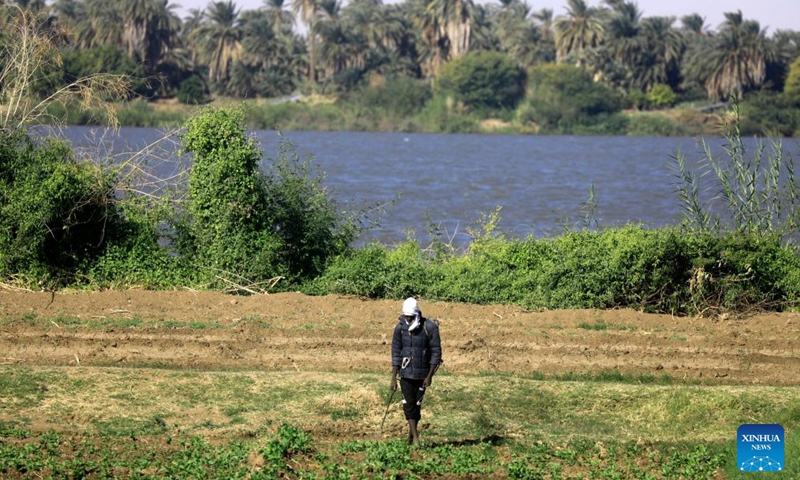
(396, 97)
(133, 256)
(661, 96)
(637, 99)
(770, 113)
(483, 79)
(792, 86)
(228, 229)
(375, 271)
(192, 91)
(262, 227)
(562, 96)
(441, 116)
(139, 113)
(302, 215)
(297, 116)
(55, 213)
(61, 223)
(664, 270)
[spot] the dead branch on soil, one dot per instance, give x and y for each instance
(238, 284)
(13, 288)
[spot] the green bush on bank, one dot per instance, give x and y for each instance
(66, 223)
(483, 80)
(59, 218)
(646, 124)
(662, 270)
(565, 99)
(248, 226)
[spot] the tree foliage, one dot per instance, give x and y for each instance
(792, 86)
(243, 225)
(560, 96)
(483, 80)
(58, 216)
(228, 228)
(30, 65)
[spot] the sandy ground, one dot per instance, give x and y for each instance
(291, 331)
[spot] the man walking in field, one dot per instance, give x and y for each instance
(416, 354)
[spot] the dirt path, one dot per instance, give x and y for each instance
(291, 331)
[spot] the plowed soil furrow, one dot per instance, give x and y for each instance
(296, 332)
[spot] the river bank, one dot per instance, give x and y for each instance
(320, 113)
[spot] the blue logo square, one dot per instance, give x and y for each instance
(759, 448)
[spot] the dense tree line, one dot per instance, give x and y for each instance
(229, 51)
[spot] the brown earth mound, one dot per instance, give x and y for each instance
(291, 331)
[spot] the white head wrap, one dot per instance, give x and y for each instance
(410, 308)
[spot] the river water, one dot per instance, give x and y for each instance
(541, 182)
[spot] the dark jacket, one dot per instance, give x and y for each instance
(423, 349)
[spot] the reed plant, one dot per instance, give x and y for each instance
(751, 193)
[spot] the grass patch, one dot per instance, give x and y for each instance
(70, 322)
(24, 387)
(486, 426)
(593, 326)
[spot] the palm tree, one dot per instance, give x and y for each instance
(455, 22)
(34, 6)
(622, 35)
(219, 38)
(191, 23)
(336, 45)
(507, 5)
(307, 11)
(446, 27)
(64, 9)
(787, 45)
(515, 31)
(545, 19)
(271, 62)
(259, 47)
(694, 23)
(98, 23)
(163, 32)
(278, 15)
(664, 48)
(483, 35)
(136, 15)
(405, 50)
(379, 26)
(151, 27)
(732, 61)
(258, 38)
(580, 29)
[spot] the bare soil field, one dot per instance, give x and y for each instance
(295, 332)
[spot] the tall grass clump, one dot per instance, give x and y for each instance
(747, 193)
(747, 201)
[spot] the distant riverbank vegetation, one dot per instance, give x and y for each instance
(223, 223)
(423, 65)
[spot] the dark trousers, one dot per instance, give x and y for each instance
(413, 391)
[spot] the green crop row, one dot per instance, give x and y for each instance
(292, 453)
